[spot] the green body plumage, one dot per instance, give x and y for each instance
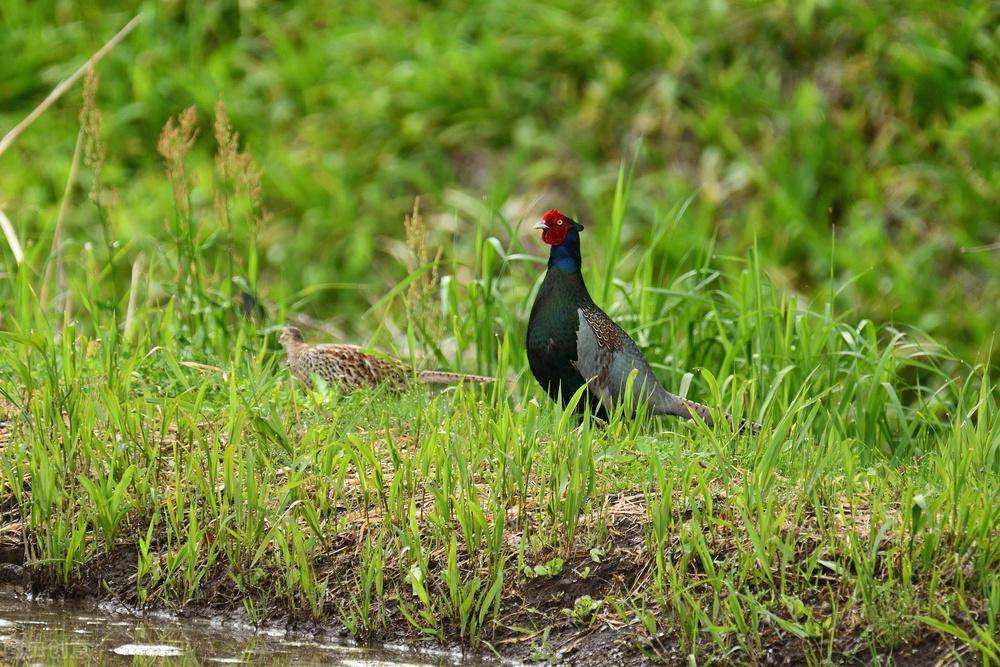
(571, 342)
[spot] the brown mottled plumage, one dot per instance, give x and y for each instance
(351, 368)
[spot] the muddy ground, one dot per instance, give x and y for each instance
(533, 626)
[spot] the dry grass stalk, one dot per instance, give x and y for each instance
(94, 152)
(8, 231)
(62, 304)
(94, 156)
(175, 143)
(66, 84)
(236, 168)
(225, 163)
(239, 176)
(420, 294)
(227, 156)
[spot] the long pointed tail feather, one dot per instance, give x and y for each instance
(683, 407)
(444, 377)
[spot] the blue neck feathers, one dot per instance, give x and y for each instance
(566, 255)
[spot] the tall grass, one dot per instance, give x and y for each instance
(865, 510)
(147, 421)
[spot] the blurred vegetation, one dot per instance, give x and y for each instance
(757, 180)
(857, 144)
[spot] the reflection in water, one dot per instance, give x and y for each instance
(73, 633)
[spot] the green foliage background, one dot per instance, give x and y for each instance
(857, 143)
(776, 195)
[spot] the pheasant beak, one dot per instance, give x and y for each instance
(539, 225)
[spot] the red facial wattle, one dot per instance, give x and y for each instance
(554, 226)
(555, 234)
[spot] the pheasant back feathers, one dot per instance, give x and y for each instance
(350, 367)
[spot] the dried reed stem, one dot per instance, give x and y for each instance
(8, 231)
(57, 236)
(66, 84)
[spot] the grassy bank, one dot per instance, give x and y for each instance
(182, 467)
(153, 448)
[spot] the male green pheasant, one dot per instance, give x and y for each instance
(572, 342)
(350, 367)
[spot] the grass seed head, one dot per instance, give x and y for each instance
(94, 152)
(227, 159)
(418, 302)
(175, 143)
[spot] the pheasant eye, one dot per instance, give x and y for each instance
(560, 223)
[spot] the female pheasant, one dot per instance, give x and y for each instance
(350, 367)
(572, 342)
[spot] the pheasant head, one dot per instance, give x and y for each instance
(290, 338)
(563, 234)
(556, 228)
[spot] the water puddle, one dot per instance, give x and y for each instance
(44, 633)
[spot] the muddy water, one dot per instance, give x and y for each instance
(67, 633)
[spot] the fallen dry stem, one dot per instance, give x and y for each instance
(66, 84)
(8, 231)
